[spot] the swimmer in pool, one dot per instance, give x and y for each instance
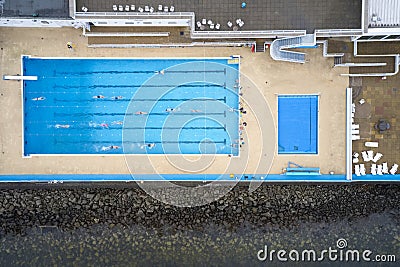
(98, 96)
(106, 148)
(117, 97)
(40, 98)
(162, 72)
(140, 113)
(150, 146)
(117, 122)
(195, 110)
(65, 126)
(104, 125)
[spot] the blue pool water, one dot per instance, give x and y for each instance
(156, 106)
(298, 124)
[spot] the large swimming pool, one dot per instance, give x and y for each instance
(134, 106)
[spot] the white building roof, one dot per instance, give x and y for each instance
(384, 13)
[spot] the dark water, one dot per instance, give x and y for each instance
(109, 245)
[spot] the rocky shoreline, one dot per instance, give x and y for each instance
(96, 217)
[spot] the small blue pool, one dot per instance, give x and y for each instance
(298, 124)
(135, 106)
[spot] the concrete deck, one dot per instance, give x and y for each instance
(260, 76)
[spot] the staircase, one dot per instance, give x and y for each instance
(277, 46)
(260, 46)
(337, 60)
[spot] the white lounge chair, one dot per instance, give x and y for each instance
(133, 7)
(166, 9)
(393, 170)
(115, 8)
(229, 23)
(356, 160)
(209, 22)
(204, 21)
(140, 9)
(370, 154)
(355, 132)
(217, 26)
(371, 144)
(127, 8)
(357, 170)
(355, 126)
(385, 168)
(172, 9)
(365, 156)
(241, 24)
(84, 9)
(147, 8)
(362, 169)
(362, 101)
(377, 157)
(373, 169)
(198, 24)
(353, 108)
(352, 114)
(355, 137)
(120, 8)
(151, 9)
(355, 154)
(379, 170)
(160, 7)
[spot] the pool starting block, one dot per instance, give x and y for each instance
(19, 78)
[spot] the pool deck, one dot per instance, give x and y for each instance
(258, 70)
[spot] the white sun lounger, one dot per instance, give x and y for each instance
(209, 22)
(385, 168)
(373, 169)
(172, 9)
(379, 170)
(147, 8)
(355, 126)
(370, 154)
(377, 157)
(204, 21)
(356, 160)
(160, 7)
(357, 170)
(115, 8)
(166, 9)
(212, 26)
(393, 170)
(355, 137)
(362, 169)
(371, 144)
(353, 108)
(133, 7)
(355, 132)
(151, 9)
(365, 156)
(120, 8)
(127, 8)
(198, 24)
(217, 26)
(140, 9)
(229, 23)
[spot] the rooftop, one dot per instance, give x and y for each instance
(383, 13)
(35, 8)
(259, 14)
